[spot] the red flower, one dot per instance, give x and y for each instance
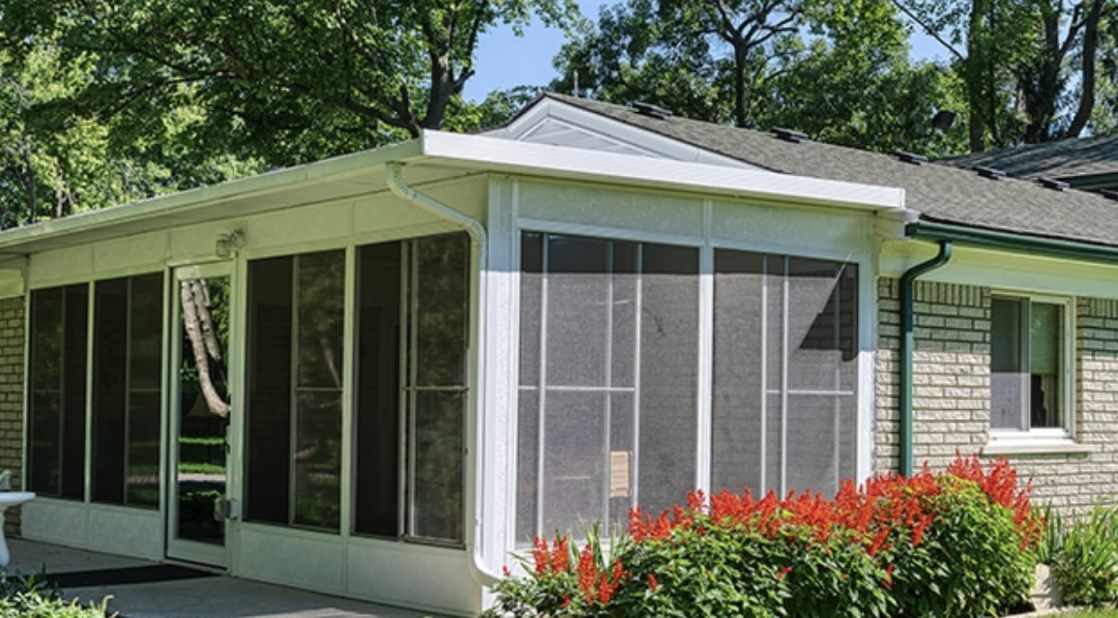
(652, 583)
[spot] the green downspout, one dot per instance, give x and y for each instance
(908, 341)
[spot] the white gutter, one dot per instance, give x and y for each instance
(479, 241)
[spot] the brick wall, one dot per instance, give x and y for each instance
(951, 396)
(11, 398)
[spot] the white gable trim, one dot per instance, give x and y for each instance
(547, 113)
(503, 155)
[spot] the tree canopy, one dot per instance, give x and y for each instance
(107, 101)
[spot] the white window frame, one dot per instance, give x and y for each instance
(866, 327)
(1043, 439)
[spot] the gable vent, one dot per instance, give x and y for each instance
(1052, 183)
(789, 135)
(1109, 194)
(989, 172)
(911, 157)
(652, 111)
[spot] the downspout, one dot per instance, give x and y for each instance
(908, 344)
(394, 178)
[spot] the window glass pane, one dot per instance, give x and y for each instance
(575, 459)
(669, 361)
(527, 464)
(621, 471)
(76, 346)
(128, 319)
(145, 339)
(1008, 379)
(578, 311)
(378, 391)
(321, 289)
(268, 417)
(623, 328)
(44, 422)
(320, 281)
(821, 310)
(318, 459)
(531, 305)
(785, 340)
(1046, 363)
(821, 442)
(145, 305)
(442, 296)
(142, 478)
(110, 387)
(439, 472)
(738, 332)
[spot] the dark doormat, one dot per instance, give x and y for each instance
(127, 575)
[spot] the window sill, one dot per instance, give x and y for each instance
(1039, 446)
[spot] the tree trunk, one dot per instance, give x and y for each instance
(198, 322)
(1087, 88)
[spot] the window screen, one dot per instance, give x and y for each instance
(608, 379)
(785, 371)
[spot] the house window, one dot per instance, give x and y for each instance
(608, 379)
(296, 314)
(785, 373)
(56, 381)
(127, 389)
(411, 373)
(1027, 363)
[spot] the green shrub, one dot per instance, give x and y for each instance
(34, 596)
(1084, 556)
(956, 544)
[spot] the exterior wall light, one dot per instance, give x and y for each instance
(228, 244)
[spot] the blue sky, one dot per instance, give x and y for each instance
(505, 60)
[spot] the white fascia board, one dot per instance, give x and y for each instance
(192, 200)
(496, 154)
(615, 131)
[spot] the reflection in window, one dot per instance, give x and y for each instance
(127, 389)
(412, 311)
(56, 403)
(295, 390)
(608, 379)
(1026, 364)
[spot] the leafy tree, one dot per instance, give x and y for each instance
(838, 71)
(55, 162)
(286, 82)
(1015, 59)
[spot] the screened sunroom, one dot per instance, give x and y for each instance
(395, 368)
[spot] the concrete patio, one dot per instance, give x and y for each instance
(202, 597)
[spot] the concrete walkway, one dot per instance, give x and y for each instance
(205, 597)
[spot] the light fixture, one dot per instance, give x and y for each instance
(229, 244)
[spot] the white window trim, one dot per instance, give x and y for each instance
(707, 245)
(1045, 440)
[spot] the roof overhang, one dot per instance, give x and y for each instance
(435, 156)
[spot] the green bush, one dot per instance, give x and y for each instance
(1084, 556)
(34, 596)
(950, 545)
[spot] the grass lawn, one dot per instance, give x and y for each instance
(1095, 613)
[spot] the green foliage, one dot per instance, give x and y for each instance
(837, 71)
(34, 596)
(285, 82)
(958, 544)
(1084, 556)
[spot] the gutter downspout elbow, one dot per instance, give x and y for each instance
(908, 345)
(479, 241)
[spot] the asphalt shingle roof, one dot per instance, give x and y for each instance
(1089, 156)
(940, 193)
